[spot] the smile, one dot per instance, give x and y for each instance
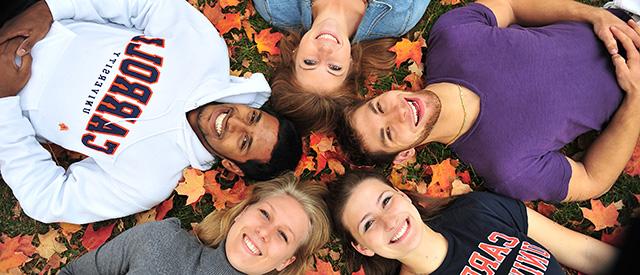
(329, 37)
(251, 246)
(220, 122)
(414, 106)
(402, 232)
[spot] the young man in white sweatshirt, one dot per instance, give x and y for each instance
(142, 87)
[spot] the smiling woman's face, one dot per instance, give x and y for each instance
(382, 220)
(266, 235)
(323, 57)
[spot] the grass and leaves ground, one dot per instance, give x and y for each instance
(28, 246)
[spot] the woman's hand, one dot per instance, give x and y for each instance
(32, 24)
(13, 77)
(603, 21)
(628, 71)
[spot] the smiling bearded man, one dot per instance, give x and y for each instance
(507, 98)
(120, 82)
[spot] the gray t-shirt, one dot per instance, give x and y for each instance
(153, 248)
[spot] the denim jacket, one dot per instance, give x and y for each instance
(382, 18)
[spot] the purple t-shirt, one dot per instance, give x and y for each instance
(539, 89)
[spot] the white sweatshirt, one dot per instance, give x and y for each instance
(101, 89)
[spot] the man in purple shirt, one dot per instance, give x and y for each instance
(507, 98)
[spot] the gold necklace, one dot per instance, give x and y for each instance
(464, 118)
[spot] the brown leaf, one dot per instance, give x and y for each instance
(443, 175)
(14, 252)
(546, 209)
(146, 216)
(415, 81)
(49, 245)
(93, 239)
(192, 186)
(322, 268)
(221, 197)
(601, 217)
(266, 41)
(406, 49)
(228, 3)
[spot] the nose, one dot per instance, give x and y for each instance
(389, 222)
(264, 232)
(236, 124)
(325, 47)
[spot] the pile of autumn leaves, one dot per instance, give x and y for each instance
(433, 173)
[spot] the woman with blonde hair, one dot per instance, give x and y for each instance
(331, 47)
(275, 230)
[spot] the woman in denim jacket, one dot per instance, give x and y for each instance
(320, 69)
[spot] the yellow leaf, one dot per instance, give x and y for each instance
(49, 245)
(192, 186)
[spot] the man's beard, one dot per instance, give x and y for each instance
(432, 119)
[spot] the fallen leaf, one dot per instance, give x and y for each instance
(163, 208)
(546, 209)
(266, 41)
(449, 2)
(49, 245)
(230, 196)
(228, 3)
(306, 163)
(146, 216)
(459, 188)
(228, 22)
(336, 166)
(416, 68)
(632, 167)
(213, 13)
(335, 255)
(618, 204)
(415, 81)
(14, 252)
(601, 217)
(359, 272)
(54, 262)
(16, 210)
(464, 177)
(406, 49)
(192, 186)
(443, 175)
(248, 29)
(322, 268)
(93, 239)
(68, 229)
(637, 197)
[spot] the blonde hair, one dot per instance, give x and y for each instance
(214, 227)
(318, 111)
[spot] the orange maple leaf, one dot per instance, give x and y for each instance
(15, 251)
(93, 239)
(228, 22)
(163, 208)
(305, 163)
(68, 229)
(449, 2)
(230, 196)
(322, 268)
(407, 49)
(398, 179)
(444, 173)
(633, 165)
(322, 145)
(213, 13)
(336, 166)
(266, 41)
(192, 186)
(248, 29)
(228, 3)
(415, 81)
(602, 217)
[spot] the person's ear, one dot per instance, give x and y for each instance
(286, 263)
(362, 249)
(231, 166)
(404, 155)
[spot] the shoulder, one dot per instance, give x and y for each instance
(387, 18)
(471, 13)
(168, 226)
(285, 14)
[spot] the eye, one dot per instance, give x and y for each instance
(253, 117)
(265, 214)
(284, 236)
(368, 225)
(309, 62)
(386, 201)
(388, 132)
(245, 141)
(379, 107)
(335, 67)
